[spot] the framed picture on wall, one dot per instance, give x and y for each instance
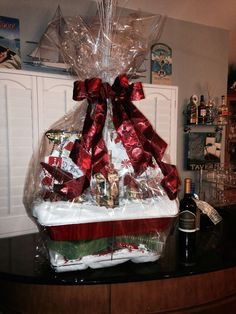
(9, 43)
(161, 64)
(203, 150)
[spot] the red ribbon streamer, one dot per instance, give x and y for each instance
(134, 130)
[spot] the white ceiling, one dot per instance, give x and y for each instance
(216, 13)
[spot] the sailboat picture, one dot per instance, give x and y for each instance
(47, 52)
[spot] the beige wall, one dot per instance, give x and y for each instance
(200, 61)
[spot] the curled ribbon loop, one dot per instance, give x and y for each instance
(138, 137)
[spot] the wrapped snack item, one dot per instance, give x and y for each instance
(98, 183)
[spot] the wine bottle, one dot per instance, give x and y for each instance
(223, 112)
(210, 112)
(202, 111)
(187, 226)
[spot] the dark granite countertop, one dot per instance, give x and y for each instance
(21, 259)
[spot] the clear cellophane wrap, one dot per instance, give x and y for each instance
(98, 184)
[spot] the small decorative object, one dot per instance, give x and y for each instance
(10, 43)
(161, 64)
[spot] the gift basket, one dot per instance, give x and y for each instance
(98, 185)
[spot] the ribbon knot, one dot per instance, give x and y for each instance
(94, 90)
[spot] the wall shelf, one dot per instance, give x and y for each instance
(203, 127)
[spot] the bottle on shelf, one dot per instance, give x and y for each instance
(192, 110)
(223, 112)
(210, 112)
(187, 226)
(202, 110)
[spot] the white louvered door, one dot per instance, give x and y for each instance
(18, 136)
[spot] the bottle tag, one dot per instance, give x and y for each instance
(210, 211)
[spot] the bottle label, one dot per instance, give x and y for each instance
(193, 119)
(187, 221)
(202, 112)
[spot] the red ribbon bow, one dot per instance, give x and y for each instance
(134, 130)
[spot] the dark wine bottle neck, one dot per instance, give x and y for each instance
(187, 194)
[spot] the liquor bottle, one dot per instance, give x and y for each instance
(210, 112)
(187, 226)
(223, 112)
(202, 111)
(192, 110)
